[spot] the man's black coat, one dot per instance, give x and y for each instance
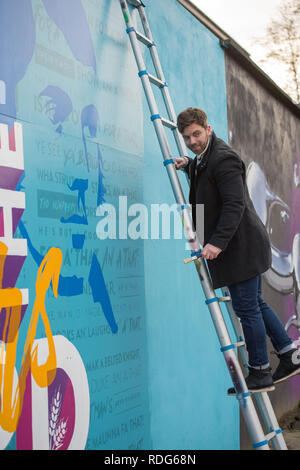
(230, 220)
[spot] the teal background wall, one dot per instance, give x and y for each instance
(188, 377)
(139, 365)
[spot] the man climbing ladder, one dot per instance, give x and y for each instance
(236, 246)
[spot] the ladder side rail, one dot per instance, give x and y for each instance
(165, 90)
(244, 397)
(152, 105)
(237, 328)
(181, 147)
(270, 420)
(262, 399)
(177, 190)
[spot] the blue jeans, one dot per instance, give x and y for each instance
(257, 319)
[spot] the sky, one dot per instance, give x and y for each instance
(243, 21)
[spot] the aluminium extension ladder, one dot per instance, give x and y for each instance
(260, 439)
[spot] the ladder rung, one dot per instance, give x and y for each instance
(239, 344)
(156, 81)
(270, 435)
(168, 123)
(143, 39)
(225, 299)
(135, 3)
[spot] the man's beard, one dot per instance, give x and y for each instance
(198, 149)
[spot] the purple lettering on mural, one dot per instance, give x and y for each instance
(70, 17)
(16, 23)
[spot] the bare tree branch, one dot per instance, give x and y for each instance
(282, 44)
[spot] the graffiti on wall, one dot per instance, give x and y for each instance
(36, 372)
(284, 274)
(13, 253)
(72, 350)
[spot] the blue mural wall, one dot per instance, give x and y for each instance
(105, 343)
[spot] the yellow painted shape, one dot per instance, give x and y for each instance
(12, 401)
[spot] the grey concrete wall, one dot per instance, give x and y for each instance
(266, 135)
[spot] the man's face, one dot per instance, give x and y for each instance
(196, 137)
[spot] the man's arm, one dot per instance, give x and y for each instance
(210, 251)
(182, 163)
(228, 175)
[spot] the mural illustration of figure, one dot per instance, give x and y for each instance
(284, 274)
(58, 108)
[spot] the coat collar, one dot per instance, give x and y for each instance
(205, 157)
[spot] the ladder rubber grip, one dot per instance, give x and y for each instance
(226, 348)
(129, 30)
(196, 253)
(181, 208)
(259, 444)
(209, 301)
(155, 116)
(142, 72)
(243, 395)
(167, 162)
(151, 45)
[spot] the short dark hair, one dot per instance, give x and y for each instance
(190, 116)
